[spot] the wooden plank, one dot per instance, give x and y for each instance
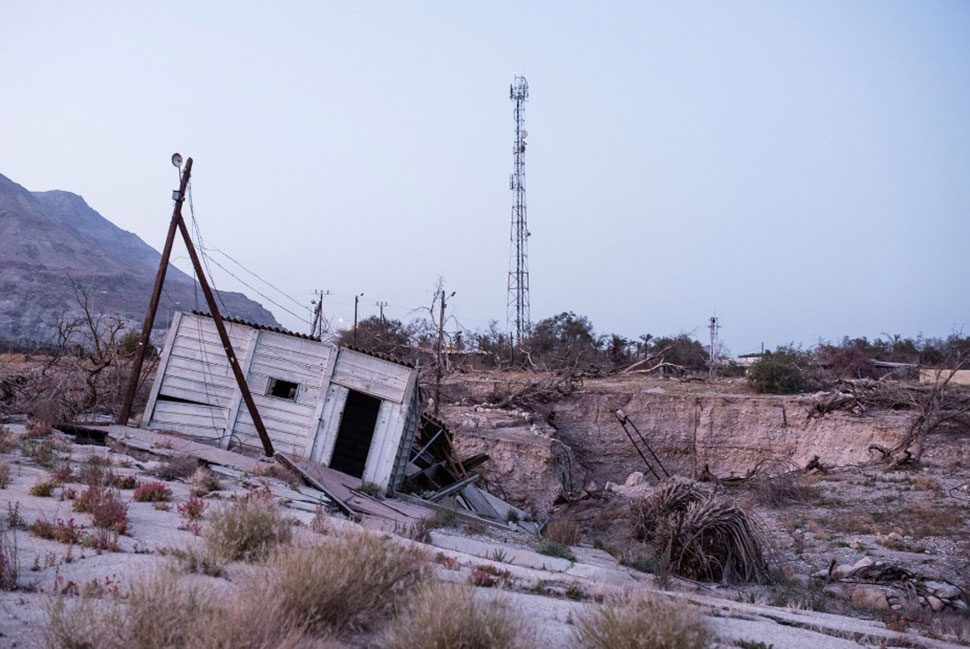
(232, 416)
(371, 375)
(479, 503)
(189, 353)
(455, 488)
(160, 371)
(332, 414)
(215, 397)
(314, 447)
(383, 448)
(204, 329)
(191, 409)
(317, 482)
(170, 444)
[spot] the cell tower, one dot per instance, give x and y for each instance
(517, 308)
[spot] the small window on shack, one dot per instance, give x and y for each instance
(282, 389)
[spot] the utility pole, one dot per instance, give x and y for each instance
(440, 352)
(146, 330)
(356, 302)
(216, 317)
(317, 327)
(381, 305)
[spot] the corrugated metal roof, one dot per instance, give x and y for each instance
(254, 325)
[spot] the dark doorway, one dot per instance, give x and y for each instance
(355, 434)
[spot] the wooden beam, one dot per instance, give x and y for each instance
(124, 413)
(224, 337)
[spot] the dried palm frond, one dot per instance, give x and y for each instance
(704, 535)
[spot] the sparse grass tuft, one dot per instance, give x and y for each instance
(562, 530)
(8, 439)
(42, 452)
(784, 489)
(448, 615)
(204, 481)
(43, 488)
(4, 475)
(248, 529)
(554, 549)
(642, 623)
(347, 584)
(9, 559)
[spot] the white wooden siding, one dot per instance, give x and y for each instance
(333, 412)
(207, 422)
(371, 375)
(193, 368)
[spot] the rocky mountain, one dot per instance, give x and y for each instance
(49, 239)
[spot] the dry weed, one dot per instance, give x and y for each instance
(248, 529)
(642, 623)
(176, 467)
(783, 489)
(562, 530)
(346, 584)
(9, 559)
(449, 615)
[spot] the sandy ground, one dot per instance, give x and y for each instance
(549, 592)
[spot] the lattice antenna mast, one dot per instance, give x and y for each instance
(517, 308)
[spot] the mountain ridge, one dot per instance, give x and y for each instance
(52, 240)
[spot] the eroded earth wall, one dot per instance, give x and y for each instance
(576, 442)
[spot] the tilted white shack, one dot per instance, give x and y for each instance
(353, 411)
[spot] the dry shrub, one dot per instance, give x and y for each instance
(176, 467)
(346, 584)
(43, 488)
(204, 481)
(783, 489)
(9, 559)
(163, 611)
(152, 492)
(449, 615)
(247, 622)
(562, 530)
(248, 529)
(159, 612)
(8, 439)
(4, 475)
(642, 623)
(702, 535)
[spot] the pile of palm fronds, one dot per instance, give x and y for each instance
(701, 534)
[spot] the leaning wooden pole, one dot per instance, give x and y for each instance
(146, 331)
(226, 343)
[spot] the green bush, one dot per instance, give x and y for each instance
(777, 374)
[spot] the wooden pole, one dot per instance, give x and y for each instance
(146, 331)
(441, 338)
(226, 343)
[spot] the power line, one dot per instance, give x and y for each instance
(275, 288)
(261, 294)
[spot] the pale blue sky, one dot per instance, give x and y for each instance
(802, 167)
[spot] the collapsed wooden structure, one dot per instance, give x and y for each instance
(350, 410)
(337, 414)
